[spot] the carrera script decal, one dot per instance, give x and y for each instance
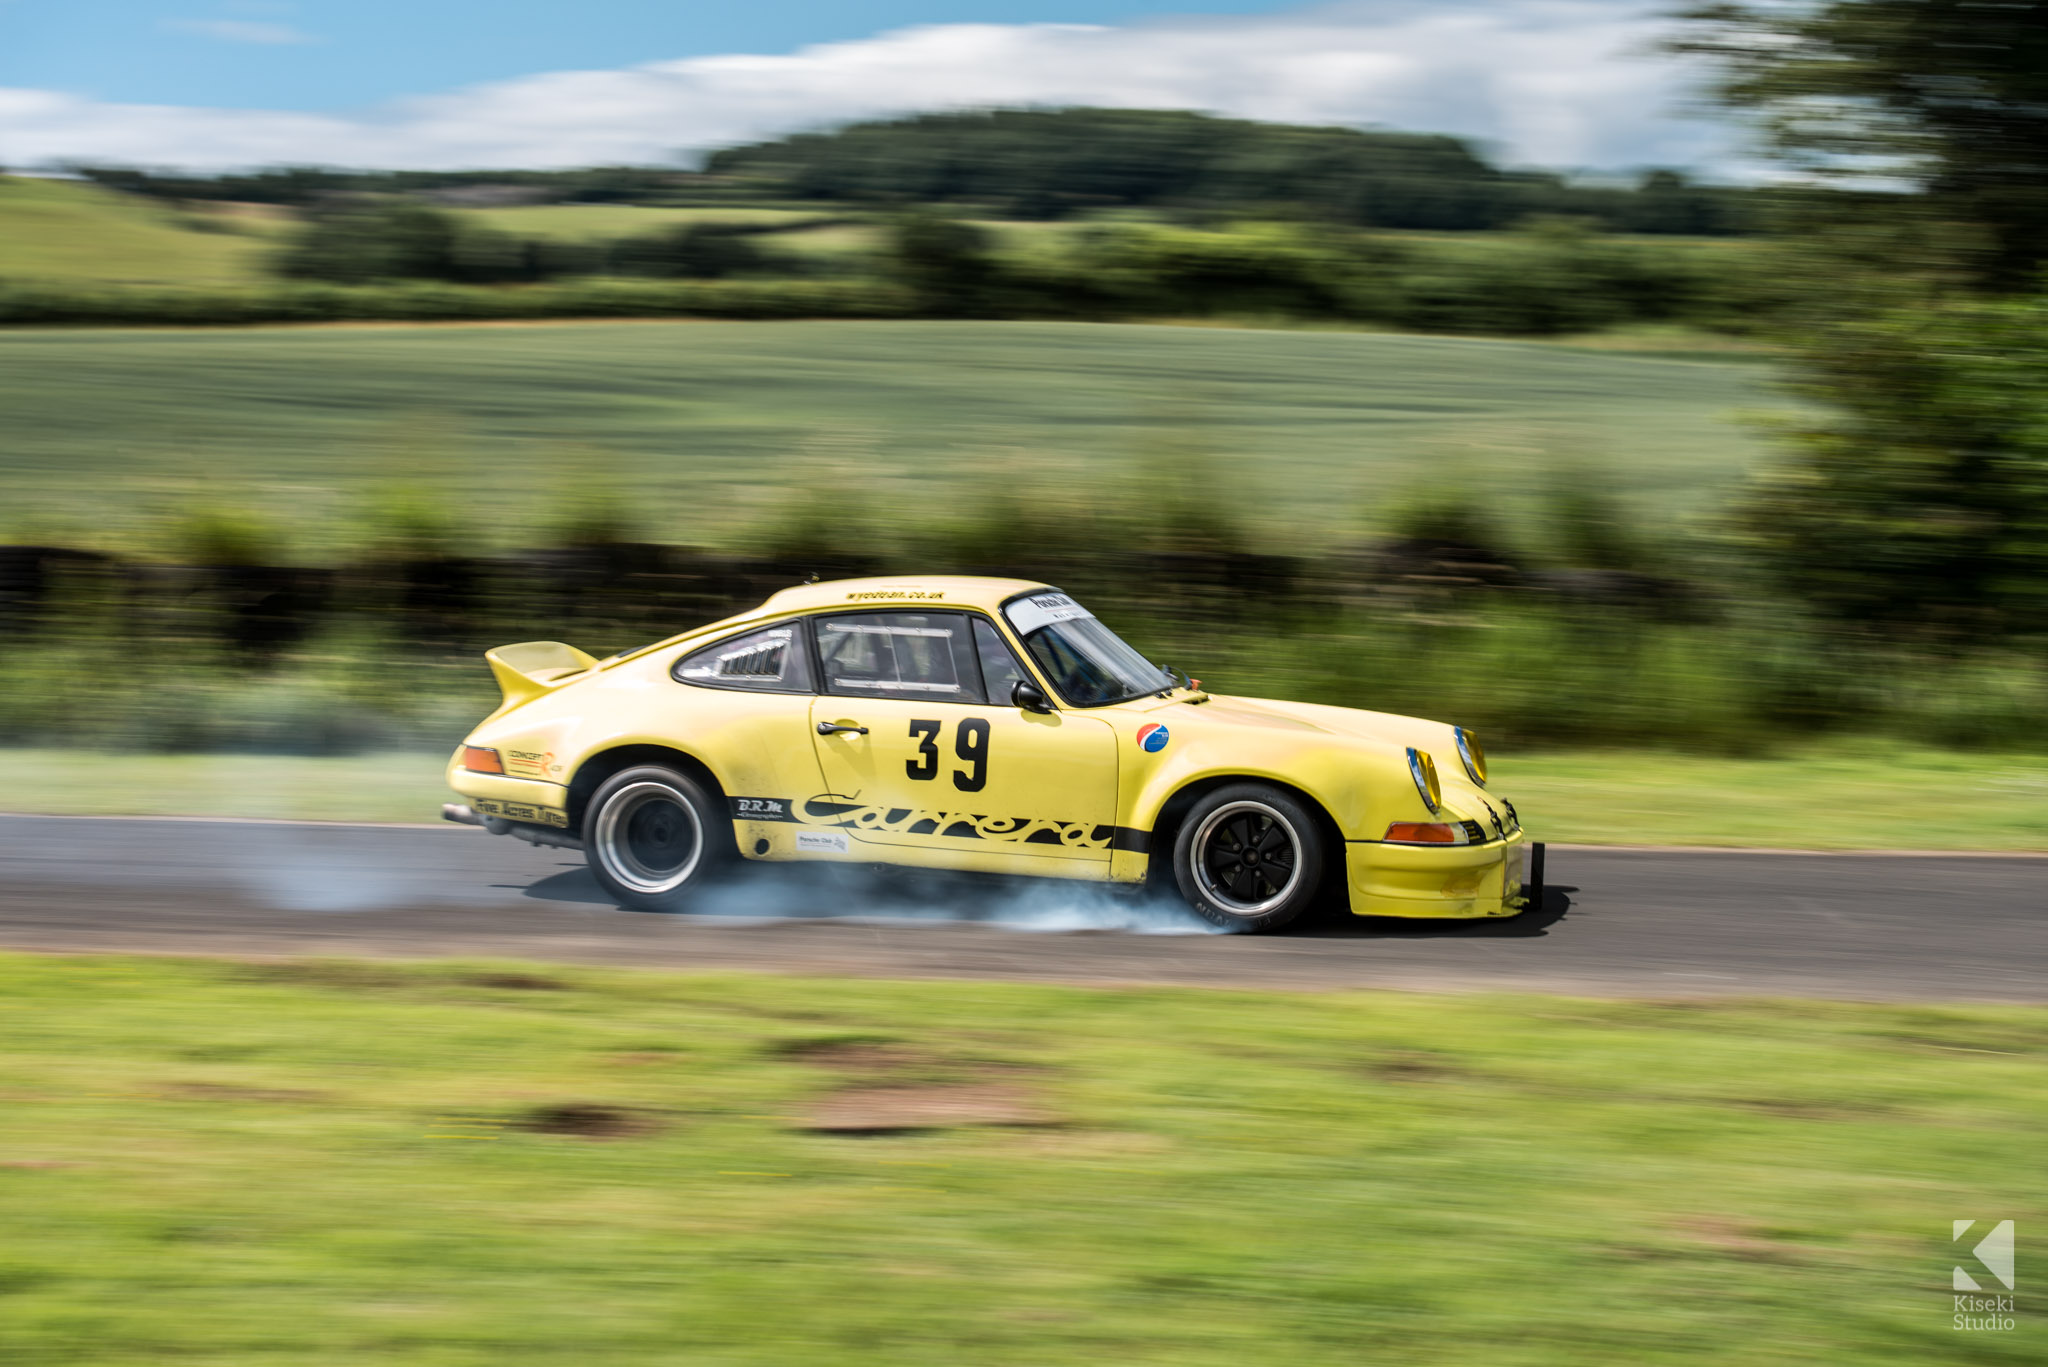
(851, 814)
(831, 809)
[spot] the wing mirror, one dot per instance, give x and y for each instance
(1029, 696)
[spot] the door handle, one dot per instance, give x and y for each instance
(827, 728)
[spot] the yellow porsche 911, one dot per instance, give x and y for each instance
(992, 725)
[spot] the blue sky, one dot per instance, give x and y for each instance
(340, 54)
(218, 84)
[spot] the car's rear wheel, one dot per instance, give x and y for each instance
(1249, 857)
(653, 836)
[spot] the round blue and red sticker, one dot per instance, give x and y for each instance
(1152, 738)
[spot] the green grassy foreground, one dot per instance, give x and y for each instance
(476, 1164)
(712, 425)
(1841, 797)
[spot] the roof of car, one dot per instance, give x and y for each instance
(931, 590)
(951, 590)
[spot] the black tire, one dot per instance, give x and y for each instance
(653, 836)
(1249, 857)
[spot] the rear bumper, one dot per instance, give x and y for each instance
(1437, 880)
(512, 799)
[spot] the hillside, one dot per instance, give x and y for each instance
(74, 232)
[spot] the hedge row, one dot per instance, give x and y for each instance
(40, 304)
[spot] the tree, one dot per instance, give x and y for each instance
(946, 264)
(698, 251)
(1920, 502)
(1949, 97)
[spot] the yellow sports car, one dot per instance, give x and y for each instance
(992, 725)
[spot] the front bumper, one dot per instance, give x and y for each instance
(1449, 881)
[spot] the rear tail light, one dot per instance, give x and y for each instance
(1424, 833)
(479, 760)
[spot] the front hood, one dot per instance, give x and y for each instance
(1386, 729)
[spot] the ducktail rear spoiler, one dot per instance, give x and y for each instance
(531, 668)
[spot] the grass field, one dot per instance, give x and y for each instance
(606, 222)
(599, 222)
(1310, 434)
(1845, 796)
(66, 231)
(326, 1163)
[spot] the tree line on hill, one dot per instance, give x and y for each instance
(302, 187)
(1053, 163)
(360, 242)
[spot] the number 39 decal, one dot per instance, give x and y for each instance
(970, 743)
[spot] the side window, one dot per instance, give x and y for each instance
(767, 661)
(999, 668)
(920, 655)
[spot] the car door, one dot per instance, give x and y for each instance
(916, 755)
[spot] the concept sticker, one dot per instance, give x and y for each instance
(1152, 738)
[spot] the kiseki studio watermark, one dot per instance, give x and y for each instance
(1983, 1279)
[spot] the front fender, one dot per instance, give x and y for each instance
(1360, 790)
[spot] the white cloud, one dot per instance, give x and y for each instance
(1566, 83)
(241, 31)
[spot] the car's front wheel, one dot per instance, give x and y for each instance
(653, 836)
(1249, 857)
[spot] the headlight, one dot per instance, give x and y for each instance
(1423, 768)
(1473, 754)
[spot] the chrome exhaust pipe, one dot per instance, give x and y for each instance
(463, 815)
(542, 835)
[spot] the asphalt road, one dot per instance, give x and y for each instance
(1617, 923)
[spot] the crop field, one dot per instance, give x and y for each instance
(314, 1163)
(1307, 435)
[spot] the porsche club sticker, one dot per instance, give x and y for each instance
(823, 842)
(1152, 738)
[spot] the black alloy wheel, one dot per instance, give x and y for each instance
(1249, 857)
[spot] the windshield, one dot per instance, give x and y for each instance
(1089, 664)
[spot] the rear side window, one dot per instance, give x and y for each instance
(771, 660)
(925, 656)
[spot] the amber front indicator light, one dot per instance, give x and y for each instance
(1423, 833)
(478, 760)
